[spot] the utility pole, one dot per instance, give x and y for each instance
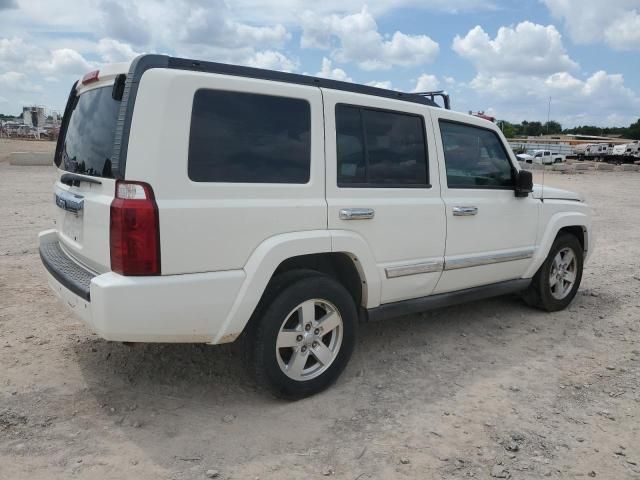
(548, 115)
(548, 120)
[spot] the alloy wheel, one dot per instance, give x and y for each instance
(309, 339)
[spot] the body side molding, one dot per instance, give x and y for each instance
(413, 269)
(488, 259)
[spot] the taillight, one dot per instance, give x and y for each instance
(135, 230)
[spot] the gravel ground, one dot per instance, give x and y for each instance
(491, 389)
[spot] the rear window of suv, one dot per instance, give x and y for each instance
(249, 138)
(87, 145)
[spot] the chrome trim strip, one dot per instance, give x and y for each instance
(477, 261)
(567, 199)
(413, 269)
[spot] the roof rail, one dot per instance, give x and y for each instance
(251, 72)
(437, 93)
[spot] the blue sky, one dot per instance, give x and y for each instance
(504, 57)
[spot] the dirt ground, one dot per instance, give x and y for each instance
(491, 389)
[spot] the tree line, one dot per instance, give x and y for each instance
(535, 129)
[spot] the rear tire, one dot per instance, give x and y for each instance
(304, 335)
(556, 283)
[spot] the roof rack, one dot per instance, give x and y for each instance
(149, 61)
(437, 93)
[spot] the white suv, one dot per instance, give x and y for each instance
(200, 201)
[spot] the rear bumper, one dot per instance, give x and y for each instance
(68, 273)
(190, 308)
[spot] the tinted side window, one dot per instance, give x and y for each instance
(352, 168)
(249, 138)
(474, 157)
(379, 148)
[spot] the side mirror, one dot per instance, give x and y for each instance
(524, 183)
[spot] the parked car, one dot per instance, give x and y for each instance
(202, 202)
(547, 157)
(524, 157)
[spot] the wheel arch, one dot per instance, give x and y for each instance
(311, 250)
(340, 266)
(575, 223)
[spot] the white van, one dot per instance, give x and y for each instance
(199, 202)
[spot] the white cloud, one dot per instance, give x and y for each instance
(207, 29)
(518, 70)
(209, 26)
(7, 4)
(574, 101)
(286, 10)
(113, 51)
(615, 22)
(272, 60)
(427, 83)
(66, 61)
(14, 52)
(625, 33)
(17, 82)
(333, 73)
(355, 38)
(527, 49)
(122, 21)
(386, 84)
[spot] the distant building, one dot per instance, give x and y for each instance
(563, 144)
(571, 139)
(34, 116)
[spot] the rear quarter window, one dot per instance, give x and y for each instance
(239, 137)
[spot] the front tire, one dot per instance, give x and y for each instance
(557, 281)
(304, 336)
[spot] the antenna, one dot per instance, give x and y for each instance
(544, 167)
(437, 93)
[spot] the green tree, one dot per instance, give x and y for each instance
(509, 129)
(552, 128)
(634, 130)
(532, 129)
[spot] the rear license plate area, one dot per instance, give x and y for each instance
(72, 207)
(72, 226)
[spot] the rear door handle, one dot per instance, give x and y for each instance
(464, 211)
(356, 213)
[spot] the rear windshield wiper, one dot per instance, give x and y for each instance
(73, 179)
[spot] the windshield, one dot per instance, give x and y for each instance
(88, 140)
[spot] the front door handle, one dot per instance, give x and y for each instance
(464, 211)
(356, 213)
